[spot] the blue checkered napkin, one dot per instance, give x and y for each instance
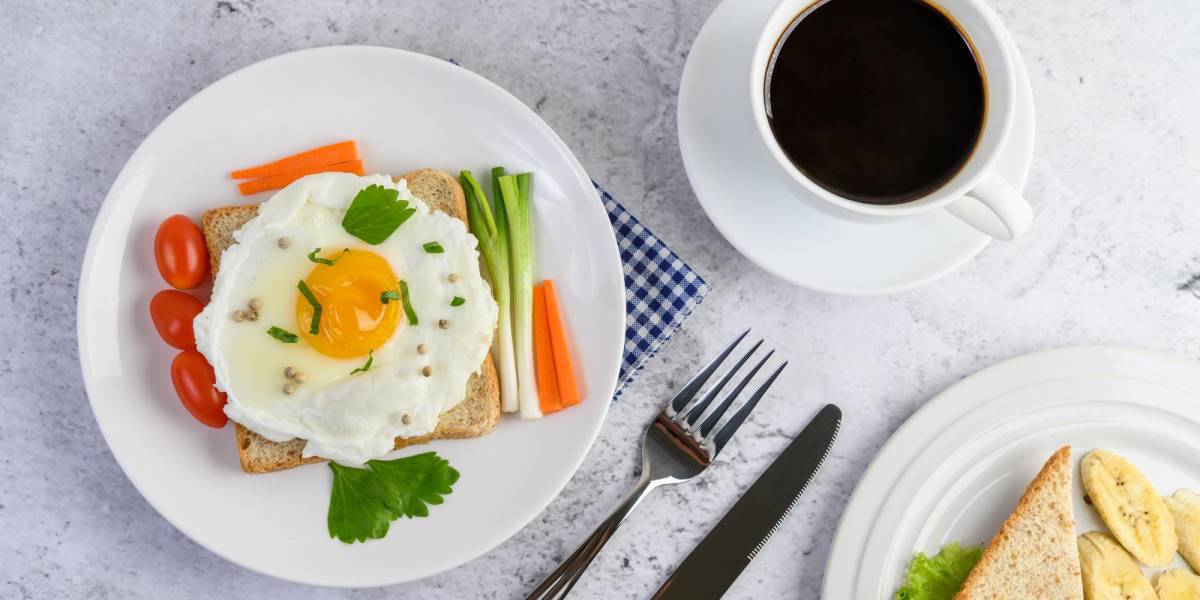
(660, 289)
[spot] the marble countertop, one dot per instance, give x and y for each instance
(1111, 259)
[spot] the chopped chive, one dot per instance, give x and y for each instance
(326, 261)
(315, 327)
(367, 365)
(458, 301)
(433, 247)
(408, 309)
(283, 335)
(388, 296)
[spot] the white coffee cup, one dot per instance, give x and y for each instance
(977, 195)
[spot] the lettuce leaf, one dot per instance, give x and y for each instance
(940, 577)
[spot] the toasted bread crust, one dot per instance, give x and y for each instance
(218, 225)
(1034, 555)
(476, 415)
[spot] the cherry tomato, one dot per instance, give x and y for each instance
(180, 253)
(194, 380)
(172, 312)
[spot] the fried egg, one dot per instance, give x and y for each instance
(367, 373)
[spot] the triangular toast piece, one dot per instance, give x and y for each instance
(1034, 555)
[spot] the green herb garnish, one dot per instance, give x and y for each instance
(326, 261)
(375, 213)
(283, 335)
(421, 480)
(458, 301)
(433, 247)
(940, 577)
(367, 365)
(364, 502)
(389, 296)
(408, 308)
(361, 505)
(315, 326)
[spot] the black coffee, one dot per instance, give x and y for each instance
(879, 101)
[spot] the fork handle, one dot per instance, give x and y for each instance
(556, 585)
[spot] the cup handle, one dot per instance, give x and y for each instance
(994, 207)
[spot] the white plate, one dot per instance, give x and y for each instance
(955, 469)
(407, 111)
(762, 216)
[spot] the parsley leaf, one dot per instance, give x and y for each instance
(408, 308)
(433, 248)
(458, 301)
(375, 213)
(364, 502)
(419, 480)
(315, 326)
(367, 365)
(361, 505)
(283, 335)
(326, 261)
(388, 296)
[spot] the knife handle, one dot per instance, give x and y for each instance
(556, 585)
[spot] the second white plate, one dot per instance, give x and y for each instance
(956, 468)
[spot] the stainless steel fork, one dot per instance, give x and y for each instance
(679, 444)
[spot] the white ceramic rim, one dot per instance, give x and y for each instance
(991, 48)
(108, 207)
(859, 519)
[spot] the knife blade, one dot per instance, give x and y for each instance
(721, 556)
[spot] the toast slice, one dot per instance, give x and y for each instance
(1034, 555)
(476, 415)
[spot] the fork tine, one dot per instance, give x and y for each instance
(719, 412)
(689, 390)
(731, 427)
(693, 414)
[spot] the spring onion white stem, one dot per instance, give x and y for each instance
(493, 245)
(515, 190)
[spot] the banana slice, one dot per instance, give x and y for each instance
(1177, 584)
(1185, 509)
(1129, 506)
(1109, 573)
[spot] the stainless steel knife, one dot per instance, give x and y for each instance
(722, 555)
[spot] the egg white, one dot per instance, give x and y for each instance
(344, 417)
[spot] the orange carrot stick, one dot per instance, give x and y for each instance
(543, 355)
(275, 182)
(307, 160)
(568, 389)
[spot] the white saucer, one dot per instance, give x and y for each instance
(956, 468)
(762, 215)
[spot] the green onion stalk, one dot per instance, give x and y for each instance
(515, 191)
(493, 245)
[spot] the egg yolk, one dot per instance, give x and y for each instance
(354, 319)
